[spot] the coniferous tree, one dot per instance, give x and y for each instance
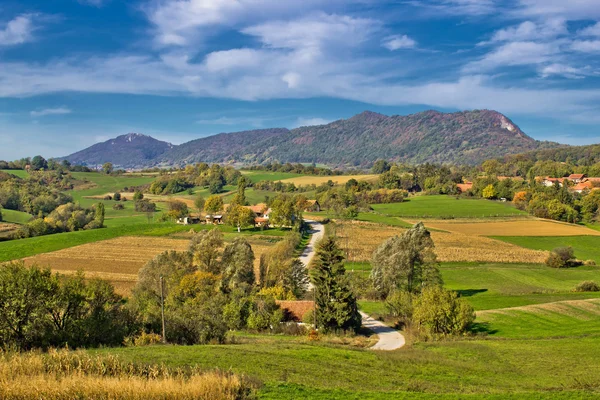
(335, 302)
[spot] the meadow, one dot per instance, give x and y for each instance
(16, 172)
(585, 247)
(319, 180)
(447, 207)
(15, 217)
(257, 176)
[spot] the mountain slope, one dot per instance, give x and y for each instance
(467, 137)
(131, 150)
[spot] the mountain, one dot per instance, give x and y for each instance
(467, 137)
(127, 151)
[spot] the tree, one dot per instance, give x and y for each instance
(205, 247)
(117, 196)
(99, 214)
(521, 199)
(489, 192)
(239, 216)
(238, 266)
(561, 257)
(380, 166)
(38, 163)
(336, 304)
(0, 213)
(138, 196)
(439, 311)
(283, 211)
(177, 209)
(214, 204)
(240, 196)
(199, 203)
(107, 168)
(406, 262)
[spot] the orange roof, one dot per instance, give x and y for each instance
(295, 309)
(464, 187)
(259, 208)
(583, 186)
(576, 176)
(259, 219)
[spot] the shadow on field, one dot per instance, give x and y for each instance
(482, 328)
(470, 292)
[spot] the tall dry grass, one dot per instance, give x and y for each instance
(62, 375)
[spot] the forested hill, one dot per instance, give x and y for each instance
(467, 137)
(579, 155)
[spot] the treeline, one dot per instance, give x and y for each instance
(68, 217)
(39, 163)
(214, 177)
(302, 169)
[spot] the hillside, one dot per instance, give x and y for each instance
(131, 150)
(467, 137)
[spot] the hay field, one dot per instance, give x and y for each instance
(527, 227)
(362, 238)
(318, 180)
(119, 260)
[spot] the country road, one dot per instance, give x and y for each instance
(389, 338)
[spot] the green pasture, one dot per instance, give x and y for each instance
(15, 217)
(447, 207)
(586, 247)
(16, 172)
(292, 368)
(106, 183)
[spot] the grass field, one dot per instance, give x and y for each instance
(292, 368)
(318, 180)
(447, 206)
(586, 247)
(16, 172)
(257, 176)
(521, 227)
(15, 217)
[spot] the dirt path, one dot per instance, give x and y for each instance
(389, 338)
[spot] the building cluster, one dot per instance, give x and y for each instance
(576, 182)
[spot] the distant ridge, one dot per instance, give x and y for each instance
(466, 137)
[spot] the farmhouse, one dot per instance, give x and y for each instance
(312, 206)
(547, 181)
(577, 178)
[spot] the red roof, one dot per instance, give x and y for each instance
(582, 186)
(296, 309)
(464, 187)
(576, 176)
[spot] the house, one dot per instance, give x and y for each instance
(312, 206)
(260, 209)
(464, 187)
(188, 220)
(580, 187)
(295, 310)
(216, 219)
(577, 178)
(547, 181)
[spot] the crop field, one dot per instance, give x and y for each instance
(360, 239)
(318, 180)
(586, 247)
(521, 227)
(447, 206)
(119, 260)
(257, 176)
(563, 318)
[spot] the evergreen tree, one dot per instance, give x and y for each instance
(99, 214)
(336, 304)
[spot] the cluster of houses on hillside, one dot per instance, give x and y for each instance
(576, 182)
(261, 211)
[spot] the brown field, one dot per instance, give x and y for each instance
(119, 260)
(528, 227)
(574, 308)
(362, 238)
(317, 180)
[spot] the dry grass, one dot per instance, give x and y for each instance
(119, 260)
(318, 180)
(579, 309)
(6, 227)
(529, 227)
(362, 238)
(66, 375)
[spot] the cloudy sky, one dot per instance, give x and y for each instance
(75, 72)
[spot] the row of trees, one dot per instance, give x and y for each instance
(65, 218)
(214, 177)
(39, 163)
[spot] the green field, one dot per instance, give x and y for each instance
(586, 247)
(257, 176)
(291, 368)
(15, 217)
(16, 172)
(447, 207)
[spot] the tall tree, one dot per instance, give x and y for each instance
(99, 214)
(336, 304)
(199, 202)
(107, 168)
(214, 204)
(239, 216)
(240, 196)
(406, 262)
(206, 247)
(238, 266)
(39, 162)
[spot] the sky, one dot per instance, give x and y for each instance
(77, 72)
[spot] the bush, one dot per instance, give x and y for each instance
(118, 207)
(146, 339)
(108, 197)
(138, 196)
(399, 305)
(441, 312)
(561, 257)
(117, 196)
(587, 286)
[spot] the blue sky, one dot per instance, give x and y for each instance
(75, 72)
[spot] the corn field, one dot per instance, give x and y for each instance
(63, 374)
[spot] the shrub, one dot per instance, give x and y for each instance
(441, 312)
(561, 257)
(400, 305)
(147, 339)
(138, 196)
(587, 286)
(117, 196)
(108, 197)
(118, 207)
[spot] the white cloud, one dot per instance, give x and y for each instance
(95, 3)
(310, 122)
(586, 46)
(17, 31)
(397, 42)
(50, 111)
(567, 9)
(529, 30)
(513, 54)
(235, 59)
(475, 8)
(566, 71)
(592, 30)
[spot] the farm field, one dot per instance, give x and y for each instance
(16, 172)
(362, 238)
(318, 180)
(520, 227)
(586, 247)
(447, 206)
(15, 217)
(478, 369)
(257, 176)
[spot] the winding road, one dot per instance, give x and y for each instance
(389, 338)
